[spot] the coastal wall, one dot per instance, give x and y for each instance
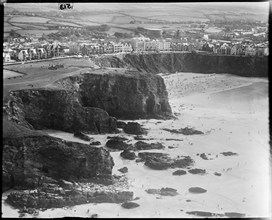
(198, 63)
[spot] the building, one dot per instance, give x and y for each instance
(6, 57)
(74, 48)
(126, 48)
(23, 55)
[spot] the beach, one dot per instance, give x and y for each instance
(233, 114)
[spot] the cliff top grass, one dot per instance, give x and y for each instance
(13, 130)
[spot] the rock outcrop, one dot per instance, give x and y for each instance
(29, 156)
(57, 109)
(126, 94)
(90, 102)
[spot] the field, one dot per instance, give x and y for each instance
(38, 33)
(24, 19)
(63, 23)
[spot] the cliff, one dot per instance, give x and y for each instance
(198, 63)
(30, 155)
(126, 95)
(89, 102)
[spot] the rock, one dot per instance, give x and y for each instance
(140, 145)
(29, 201)
(184, 131)
(168, 191)
(203, 156)
(205, 214)
(127, 154)
(163, 191)
(139, 137)
(59, 109)
(34, 157)
(126, 94)
(123, 170)
(134, 128)
(162, 161)
(184, 162)
(110, 197)
(153, 191)
(197, 190)
(95, 143)
(171, 147)
(130, 205)
(229, 153)
(157, 165)
(82, 136)
(151, 155)
(217, 174)
(117, 138)
(179, 172)
(94, 216)
(118, 145)
(121, 124)
(235, 215)
(197, 171)
(139, 160)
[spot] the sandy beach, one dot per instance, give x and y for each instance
(232, 112)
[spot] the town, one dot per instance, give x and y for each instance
(243, 38)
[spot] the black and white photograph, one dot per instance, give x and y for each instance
(136, 110)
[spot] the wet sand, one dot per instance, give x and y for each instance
(233, 114)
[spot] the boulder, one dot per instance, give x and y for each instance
(121, 124)
(197, 171)
(95, 143)
(217, 174)
(117, 138)
(229, 153)
(140, 145)
(130, 205)
(179, 172)
(167, 191)
(197, 190)
(134, 128)
(118, 145)
(82, 136)
(184, 131)
(162, 161)
(123, 170)
(127, 154)
(204, 156)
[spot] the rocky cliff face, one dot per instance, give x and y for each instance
(128, 96)
(89, 102)
(29, 155)
(56, 109)
(199, 63)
